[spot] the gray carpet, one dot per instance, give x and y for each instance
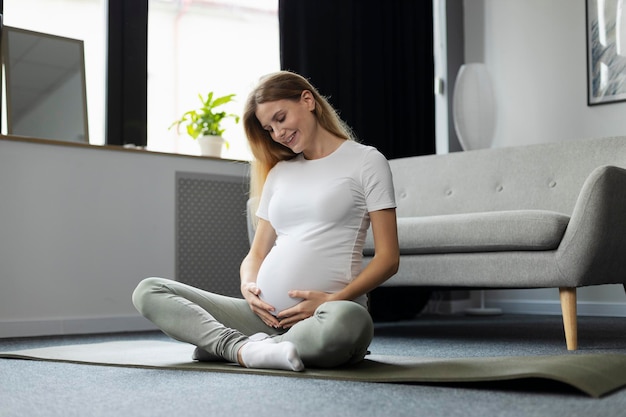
(594, 374)
(41, 388)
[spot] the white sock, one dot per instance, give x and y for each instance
(268, 354)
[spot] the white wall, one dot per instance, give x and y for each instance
(535, 51)
(79, 228)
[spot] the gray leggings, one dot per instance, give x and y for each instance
(338, 333)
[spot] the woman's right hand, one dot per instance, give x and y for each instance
(251, 293)
(264, 239)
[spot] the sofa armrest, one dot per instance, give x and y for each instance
(593, 249)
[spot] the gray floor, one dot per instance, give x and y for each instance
(53, 389)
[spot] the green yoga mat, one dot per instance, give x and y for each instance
(593, 374)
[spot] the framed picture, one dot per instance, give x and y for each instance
(606, 51)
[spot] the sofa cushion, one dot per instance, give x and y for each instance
(496, 231)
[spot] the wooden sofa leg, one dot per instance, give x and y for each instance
(568, 307)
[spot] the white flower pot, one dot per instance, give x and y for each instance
(211, 145)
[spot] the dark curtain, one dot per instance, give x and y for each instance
(373, 60)
(127, 73)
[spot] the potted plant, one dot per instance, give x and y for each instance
(204, 124)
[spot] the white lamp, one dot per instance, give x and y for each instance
(473, 110)
(473, 107)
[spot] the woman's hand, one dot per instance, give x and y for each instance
(251, 293)
(264, 239)
(311, 300)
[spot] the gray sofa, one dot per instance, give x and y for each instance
(537, 216)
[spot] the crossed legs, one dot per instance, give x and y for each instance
(221, 327)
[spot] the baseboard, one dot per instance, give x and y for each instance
(534, 307)
(584, 308)
(115, 324)
(68, 326)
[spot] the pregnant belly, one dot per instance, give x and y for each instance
(292, 265)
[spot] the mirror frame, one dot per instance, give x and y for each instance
(5, 58)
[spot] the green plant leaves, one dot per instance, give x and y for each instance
(206, 121)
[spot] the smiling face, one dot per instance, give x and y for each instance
(290, 123)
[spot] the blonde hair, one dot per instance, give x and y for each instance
(267, 153)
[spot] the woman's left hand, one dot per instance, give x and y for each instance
(311, 300)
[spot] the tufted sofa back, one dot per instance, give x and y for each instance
(542, 177)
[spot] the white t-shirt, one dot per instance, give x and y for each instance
(320, 211)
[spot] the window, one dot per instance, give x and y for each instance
(194, 46)
(197, 46)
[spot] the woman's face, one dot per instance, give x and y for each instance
(290, 123)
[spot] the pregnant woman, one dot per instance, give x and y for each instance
(304, 288)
